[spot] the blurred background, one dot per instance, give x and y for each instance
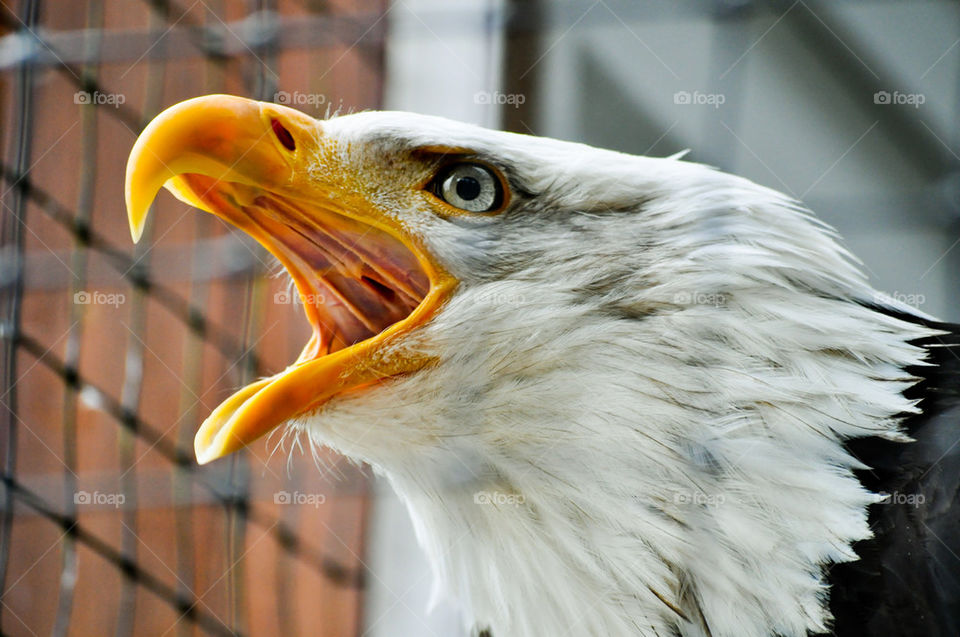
(113, 354)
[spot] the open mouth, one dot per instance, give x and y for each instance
(353, 279)
(363, 279)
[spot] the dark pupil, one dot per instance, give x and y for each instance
(468, 188)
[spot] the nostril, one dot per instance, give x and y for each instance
(283, 135)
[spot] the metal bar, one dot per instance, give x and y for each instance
(216, 40)
(10, 327)
(78, 266)
(182, 495)
(133, 370)
(523, 47)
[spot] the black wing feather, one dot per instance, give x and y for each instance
(907, 580)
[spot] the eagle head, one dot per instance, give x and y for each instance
(612, 390)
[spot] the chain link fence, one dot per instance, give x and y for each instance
(113, 354)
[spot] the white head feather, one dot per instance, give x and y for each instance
(645, 379)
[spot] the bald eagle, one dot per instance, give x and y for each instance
(619, 395)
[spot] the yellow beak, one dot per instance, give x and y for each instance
(254, 165)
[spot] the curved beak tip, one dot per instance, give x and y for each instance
(142, 183)
(136, 229)
(205, 455)
(185, 138)
(208, 445)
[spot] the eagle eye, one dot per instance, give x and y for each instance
(469, 186)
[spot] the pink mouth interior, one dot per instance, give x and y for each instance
(353, 279)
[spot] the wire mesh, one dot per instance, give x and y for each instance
(112, 355)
